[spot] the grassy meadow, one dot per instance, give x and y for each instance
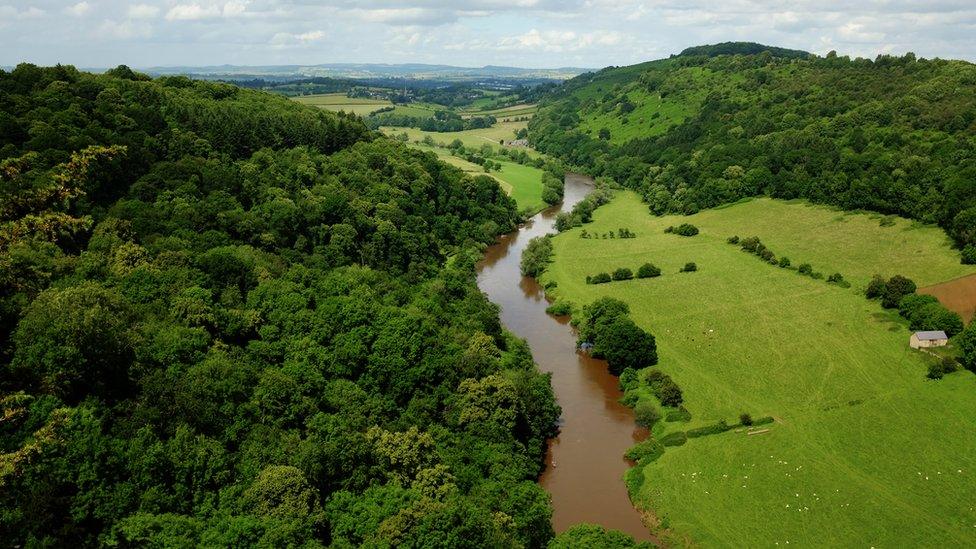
(337, 102)
(523, 183)
(470, 138)
(865, 451)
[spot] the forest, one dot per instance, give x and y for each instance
(230, 319)
(895, 135)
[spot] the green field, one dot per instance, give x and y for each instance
(864, 451)
(523, 183)
(470, 138)
(339, 102)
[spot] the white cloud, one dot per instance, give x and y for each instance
(124, 30)
(291, 39)
(559, 40)
(143, 11)
(78, 10)
(193, 12)
(12, 13)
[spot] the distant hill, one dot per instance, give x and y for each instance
(367, 71)
(722, 122)
(742, 48)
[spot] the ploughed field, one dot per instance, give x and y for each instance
(865, 451)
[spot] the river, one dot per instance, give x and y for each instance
(585, 464)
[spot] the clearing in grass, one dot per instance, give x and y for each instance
(865, 451)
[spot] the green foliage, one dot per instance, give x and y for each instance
(725, 122)
(875, 288)
(536, 256)
(685, 229)
(599, 278)
(648, 270)
(924, 312)
(967, 346)
(896, 288)
(664, 388)
(646, 414)
(624, 345)
(560, 308)
(689, 267)
(623, 273)
(232, 323)
(676, 438)
(645, 451)
(590, 535)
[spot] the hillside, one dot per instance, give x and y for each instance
(227, 319)
(861, 450)
(896, 135)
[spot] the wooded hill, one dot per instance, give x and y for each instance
(894, 134)
(227, 319)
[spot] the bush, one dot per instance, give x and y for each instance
(689, 267)
(835, 278)
(784, 262)
(600, 278)
(536, 256)
(676, 438)
(623, 273)
(745, 419)
(645, 452)
(805, 269)
(628, 379)
(560, 308)
(664, 388)
(945, 366)
(732, 240)
(648, 270)
(685, 229)
(969, 255)
(624, 345)
(896, 288)
(876, 287)
(967, 344)
(681, 414)
(751, 244)
(669, 230)
(646, 414)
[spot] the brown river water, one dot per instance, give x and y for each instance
(585, 463)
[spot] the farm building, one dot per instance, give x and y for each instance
(928, 339)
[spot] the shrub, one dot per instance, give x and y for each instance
(646, 414)
(942, 367)
(628, 379)
(669, 230)
(536, 256)
(648, 270)
(664, 388)
(767, 255)
(685, 229)
(732, 240)
(681, 414)
(600, 278)
(623, 273)
(805, 269)
(784, 262)
(676, 438)
(967, 344)
(745, 419)
(876, 287)
(751, 244)
(560, 308)
(835, 278)
(646, 451)
(624, 345)
(689, 267)
(969, 255)
(896, 288)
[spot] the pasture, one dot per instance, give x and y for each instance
(338, 102)
(474, 139)
(523, 183)
(865, 451)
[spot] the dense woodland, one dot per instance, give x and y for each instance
(228, 319)
(895, 135)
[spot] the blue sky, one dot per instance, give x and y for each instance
(526, 33)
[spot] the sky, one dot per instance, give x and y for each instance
(522, 33)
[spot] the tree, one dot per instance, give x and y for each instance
(624, 345)
(896, 288)
(967, 345)
(876, 288)
(623, 273)
(590, 535)
(75, 341)
(646, 414)
(648, 270)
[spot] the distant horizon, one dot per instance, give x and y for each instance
(533, 34)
